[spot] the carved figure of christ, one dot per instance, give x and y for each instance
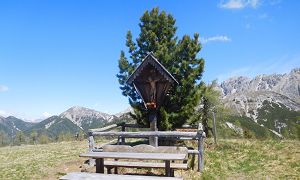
(152, 83)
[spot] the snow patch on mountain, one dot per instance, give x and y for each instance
(47, 126)
(247, 97)
(234, 127)
(276, 133)
(15, 127)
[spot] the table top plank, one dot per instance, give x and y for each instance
(130, 155)
(144, 164)
(86, 176)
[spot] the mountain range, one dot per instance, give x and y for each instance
(271, 101)
(10, 125)
(264, 104)
(72, 121)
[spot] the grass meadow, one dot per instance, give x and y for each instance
(230, 159)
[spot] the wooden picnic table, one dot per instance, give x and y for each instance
(166, 157)
(86, 176)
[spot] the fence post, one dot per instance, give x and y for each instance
(153, 141)
(123, 130)
(214, 127)
(91, 147)
(201, 135)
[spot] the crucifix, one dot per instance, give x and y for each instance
(152, 81)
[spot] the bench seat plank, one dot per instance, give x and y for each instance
(142, 156)
(88, 176)
(143, 164)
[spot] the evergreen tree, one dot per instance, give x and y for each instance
(65, 136)
(33, 136)
(158, 35)
(3, 138)
(210, 103)
(44, 139)
(20, 138)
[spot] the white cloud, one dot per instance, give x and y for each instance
(3, 88)
(239, 4)
(46, 114)
(215, 38)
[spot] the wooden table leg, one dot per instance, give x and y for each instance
(168, 168)
(116, 168)
(100, 165)
(108, 170)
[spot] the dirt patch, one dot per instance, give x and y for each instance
(64, 168)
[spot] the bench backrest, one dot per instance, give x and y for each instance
(144, 148)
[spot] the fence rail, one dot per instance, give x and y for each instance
(198, 136)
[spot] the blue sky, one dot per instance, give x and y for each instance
(57, 54)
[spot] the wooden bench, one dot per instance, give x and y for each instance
(87, 176)
(144, 148)
(198, 136)
(136, 156)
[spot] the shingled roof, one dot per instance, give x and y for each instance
(150, 59)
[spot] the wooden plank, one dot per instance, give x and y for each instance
(146, 134)
(145, 148)
(187, 130)
(186, 126)
(144, 164)
(103, 128)
(190, 151)
(135, 126)
(143, 156)
(85, 176)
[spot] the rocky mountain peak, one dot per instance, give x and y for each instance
(79, 114)
(247, 95)
(127, 110)
(295, 71)
(285, 84)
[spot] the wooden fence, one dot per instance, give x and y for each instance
(199, 136)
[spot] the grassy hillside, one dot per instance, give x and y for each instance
(37, 161)
(239, 159)
(58, 125)
(252, 129)
(251, 159)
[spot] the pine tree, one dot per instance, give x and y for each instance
(3, 138)
(33, 136)
(158, 35)
(44, 139)
(211, 103)
(20, 138)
